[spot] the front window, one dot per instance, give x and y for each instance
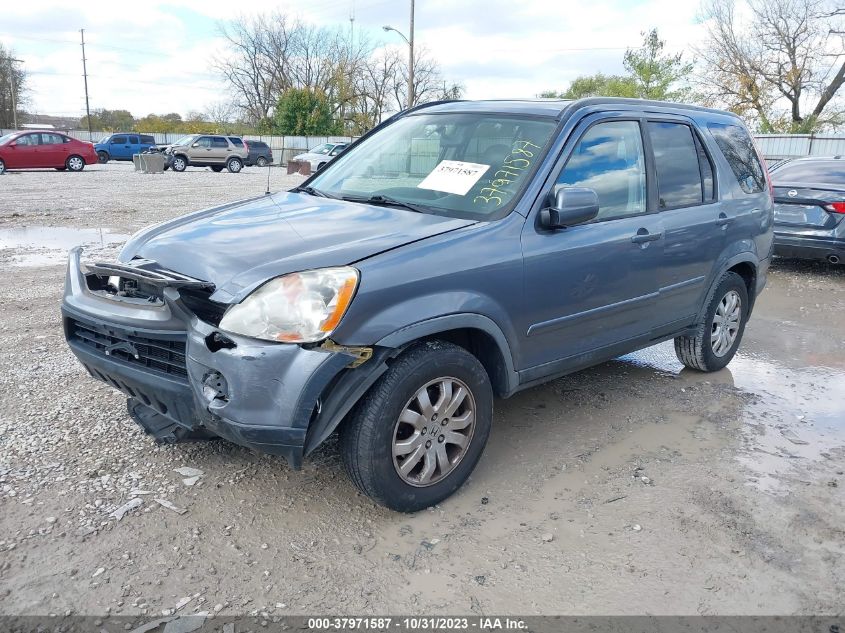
(466, 165)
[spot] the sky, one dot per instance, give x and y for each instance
(154, 56)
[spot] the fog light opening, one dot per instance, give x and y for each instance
(215, 387)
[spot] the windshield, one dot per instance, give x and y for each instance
(7, 137)
(828, 171)
(465, 165)
(186, 140)
(325, 148)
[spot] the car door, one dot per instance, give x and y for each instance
(694, 221)
(220, 150)
(134, 143)
(119, 147)
(52, 150)
(23, 153)
(593, 286)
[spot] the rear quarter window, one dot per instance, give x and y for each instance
(236, 141)
(738, 148)
(148, 140)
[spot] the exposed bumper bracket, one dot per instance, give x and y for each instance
(361, 354)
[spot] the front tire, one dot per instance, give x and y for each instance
(217, 169)
(416, 436)
(75, 163)
(718, 336)
(234, 165)
(179, 163)
(103, 157)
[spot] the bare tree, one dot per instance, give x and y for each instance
(784, 68)
(11, 73)
(221, 113)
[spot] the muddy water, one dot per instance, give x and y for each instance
(33, 246)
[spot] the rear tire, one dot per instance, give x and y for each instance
(434, 390)
(261, 161)
(103, 157)
(2, 167)
(75, 163)
(719, 334)
(234, 165)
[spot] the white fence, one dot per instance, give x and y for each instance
(773, 146)
(284, 147)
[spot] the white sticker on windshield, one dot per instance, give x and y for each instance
(454, 176)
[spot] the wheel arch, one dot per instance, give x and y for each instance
(476, 333)
(744, 264)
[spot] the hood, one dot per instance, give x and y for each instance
(310, 156)
(238, 247)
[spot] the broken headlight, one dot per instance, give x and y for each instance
(301, 307)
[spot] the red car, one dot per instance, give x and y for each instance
(24, 150)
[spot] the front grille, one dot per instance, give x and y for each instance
(164, 355)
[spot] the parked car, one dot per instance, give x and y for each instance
(207, 150)
(526, 240)
(810, 208)
(260, 154)
(123, 146)
(25, 150)
(321, 155)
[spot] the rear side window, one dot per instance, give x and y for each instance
(739, 151)
(52, 139)
(831, 172)
(236, 141)
(133, 140)
(679, 178)
(118, 140)
(219, 141)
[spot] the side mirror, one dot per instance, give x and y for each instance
(195, 144)
(569, 206)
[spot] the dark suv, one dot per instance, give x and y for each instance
(458, 251)
(260, 154)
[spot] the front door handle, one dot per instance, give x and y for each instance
(723, 220)
(643, 236)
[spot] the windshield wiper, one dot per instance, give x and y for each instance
(312, 192)
(387, 202)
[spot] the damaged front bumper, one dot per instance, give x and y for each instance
(277, 398)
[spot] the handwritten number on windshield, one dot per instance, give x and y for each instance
(511, 169)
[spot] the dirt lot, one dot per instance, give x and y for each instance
(635, 487)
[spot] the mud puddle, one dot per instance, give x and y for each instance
(33, 246)
(797, 414)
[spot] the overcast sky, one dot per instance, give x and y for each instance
(153, 56)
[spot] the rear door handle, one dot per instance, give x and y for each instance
(723, 220)
(644, 236)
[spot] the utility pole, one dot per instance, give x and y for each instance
(85, 75)
(411, 61)
(12, 82)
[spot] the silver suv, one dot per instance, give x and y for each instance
(205, 150)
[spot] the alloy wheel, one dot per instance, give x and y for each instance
(726, 321)
(433, 431)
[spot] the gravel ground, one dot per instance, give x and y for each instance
(635, 487)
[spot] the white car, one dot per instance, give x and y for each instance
(322, 154)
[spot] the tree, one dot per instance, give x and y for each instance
(598, 85)
(782, 67)
(651, 74)
(109, 120)
(18, 73)
(305, 112)
(657, 75)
